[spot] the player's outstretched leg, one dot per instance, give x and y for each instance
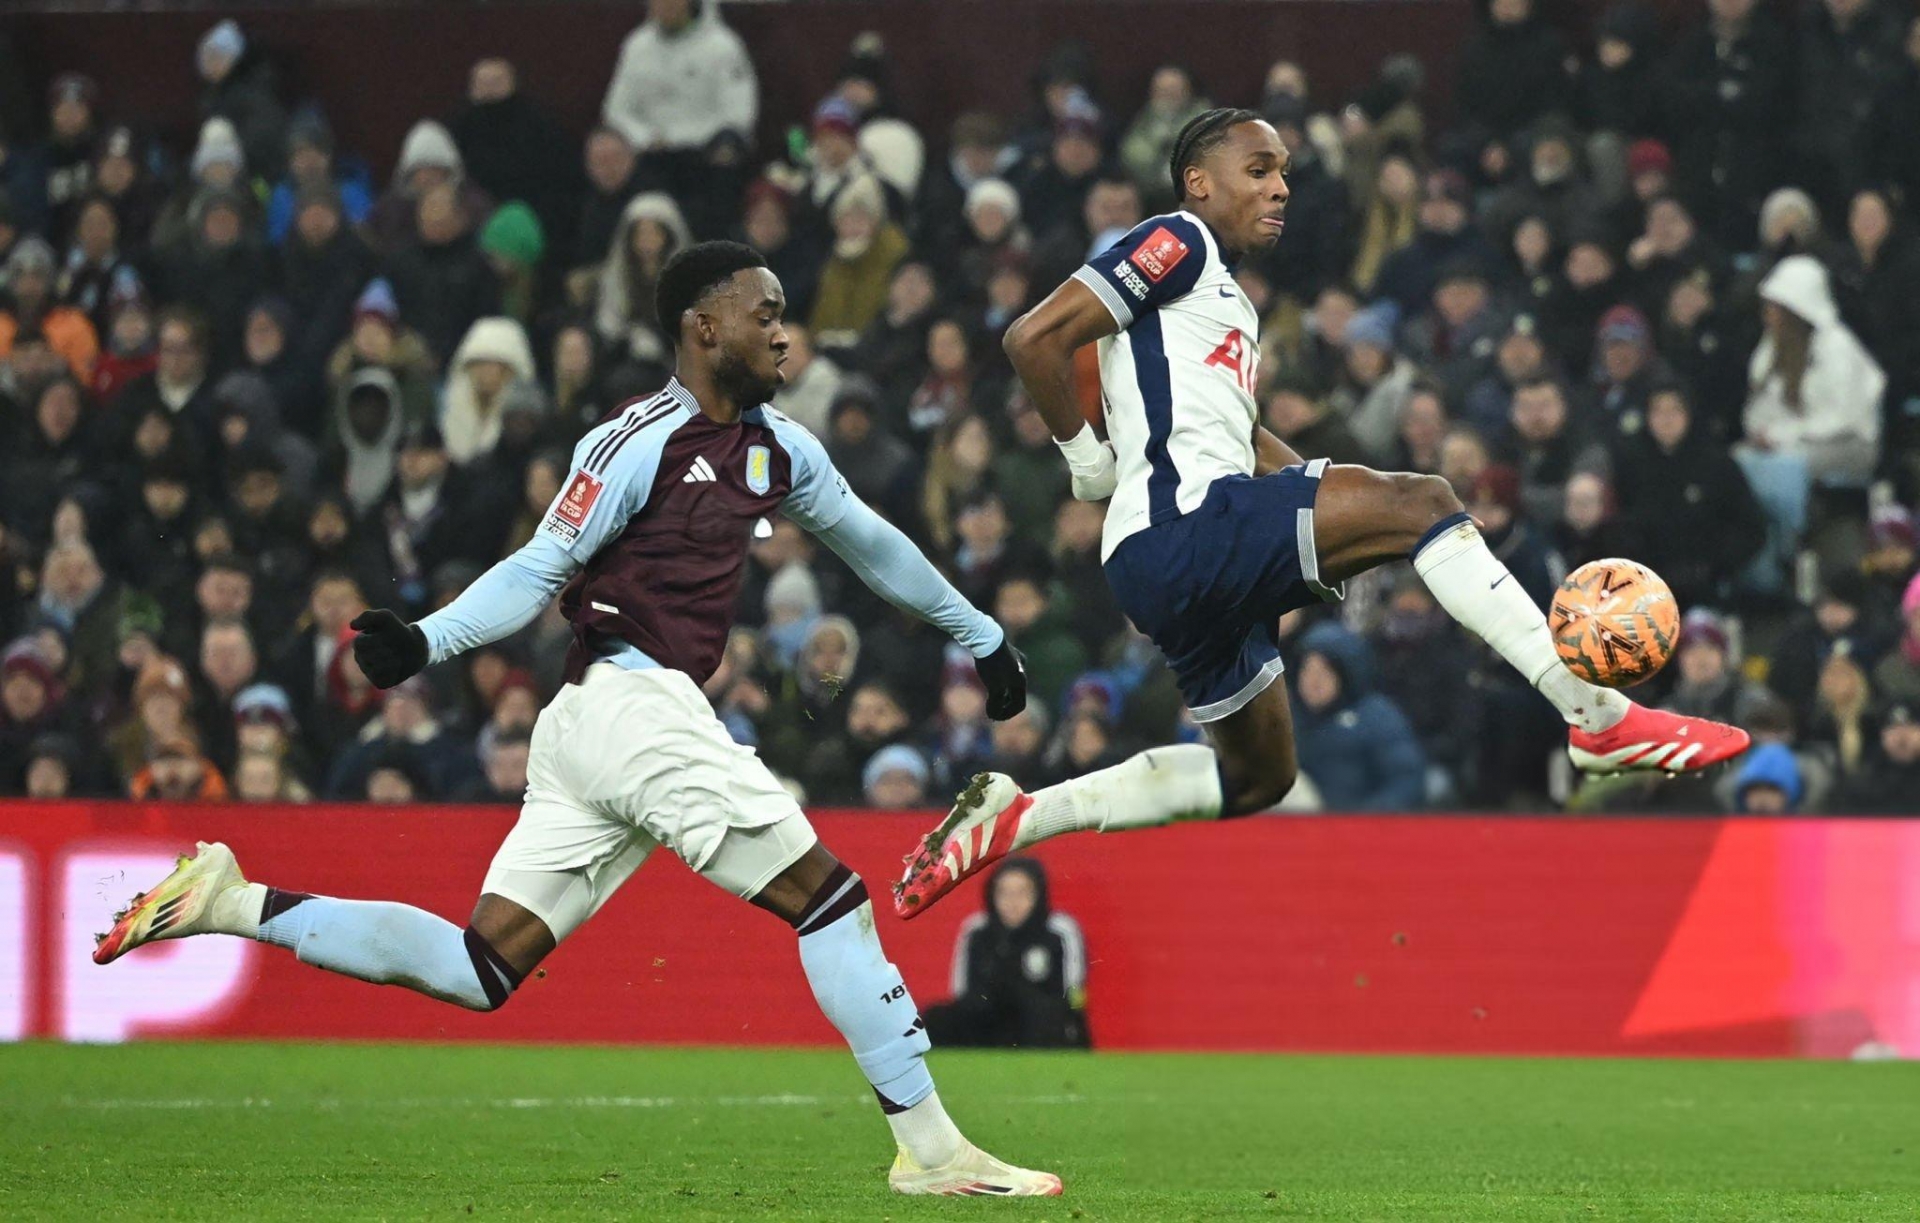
(994, 817)
(373, 940)
(1365, 518)
(862, 995)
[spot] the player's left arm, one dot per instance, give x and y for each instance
(593, 506)
(895, 569)
(1270, 454)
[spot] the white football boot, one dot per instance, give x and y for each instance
(179, 905)
(971, 1173)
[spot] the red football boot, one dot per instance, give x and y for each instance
(1653, 739)
(978, 831)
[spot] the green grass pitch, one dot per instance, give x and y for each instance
(268, 1132)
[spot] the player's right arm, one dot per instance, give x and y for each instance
(1161, 259)
(605, 487)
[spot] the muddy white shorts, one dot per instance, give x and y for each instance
(627, 760)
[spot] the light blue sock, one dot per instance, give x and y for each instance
(863, 996)
(389, 944)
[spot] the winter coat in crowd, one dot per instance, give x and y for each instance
(1019, 985)
(392, 222)
(1358, 748)
(1830, 414)
(1726, 91)
(624, 313)
(681, 88)
(471, 421)
(1511, 74)
(1845, 66)
(1670, 495)
(514, 150)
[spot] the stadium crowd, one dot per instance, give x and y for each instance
(1645, 295)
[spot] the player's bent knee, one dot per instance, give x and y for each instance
(498, 978)
(1261, 789)
(1429, 499)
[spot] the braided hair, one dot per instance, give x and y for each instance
(1202, 134)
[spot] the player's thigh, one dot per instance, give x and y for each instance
(1364, 518)
(1258, 761)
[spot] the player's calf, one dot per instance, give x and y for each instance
(372, 940)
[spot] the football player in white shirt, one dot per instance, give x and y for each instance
(1217, 527)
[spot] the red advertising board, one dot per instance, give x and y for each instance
(1416, 934)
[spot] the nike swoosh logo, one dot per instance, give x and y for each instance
(1496, 582)
(1226, 292)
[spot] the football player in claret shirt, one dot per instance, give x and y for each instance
(1215, 528)
(645, 545)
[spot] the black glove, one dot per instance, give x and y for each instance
(389, 650)
(1004, 672)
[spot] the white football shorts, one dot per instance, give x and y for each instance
(622, 762)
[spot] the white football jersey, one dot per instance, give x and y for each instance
(1178, 380)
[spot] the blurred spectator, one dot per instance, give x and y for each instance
(1375, 381)
(441, 279)
(1445, 234)
(240, 88)
(405, 729)
(314, 172)
(1172, 99)
(503, 776)
(176, 772)
(178, 385)
(867, 246)
(54, 769)
(1816, 390)
(73, 123)
(1668, 476)
(95, 269)
(1589, 527)
(895, 778)
(1019, 971)
(513, 148)
(1301, 417)
(1769, 782)
(1546, 447)
(429, 159)
(1897, 676)
(613, 178)
(1885, 782)
(32, 706)
(1726, 91)
(377, 340)
(1513, 68)
(1710, 683)
(514, 242)
(1356, 743)
(650, 232)
(1847, 59)
(684, 94)
(813, 382)
(30, 306)
(490, 377)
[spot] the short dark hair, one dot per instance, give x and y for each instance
(690, 274)
(1203, 133)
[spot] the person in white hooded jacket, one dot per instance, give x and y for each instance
(491, 374)
(1814, 390)
(685, 96)
(651, 231)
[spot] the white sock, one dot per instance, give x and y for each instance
(387, 944)
(863, 996)
(1158, 786)
(237, 910)
(1478, 591)
(926, 1133)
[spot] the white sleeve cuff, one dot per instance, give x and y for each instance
(1109, 296)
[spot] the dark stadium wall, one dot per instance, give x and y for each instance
(380, 67)
(1405, 935)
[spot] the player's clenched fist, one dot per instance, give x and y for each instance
(388, 649)
(1004, 673)
(1091, 462)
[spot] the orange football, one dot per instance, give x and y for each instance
(1614, 622)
